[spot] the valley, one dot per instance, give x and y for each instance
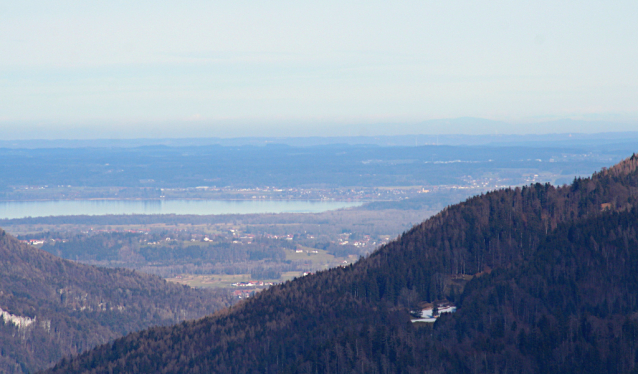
(548, 278)
(217, 251)
(402, 252)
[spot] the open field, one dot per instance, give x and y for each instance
(313, 259)
(225, 280)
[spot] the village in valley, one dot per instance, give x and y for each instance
(243, 255)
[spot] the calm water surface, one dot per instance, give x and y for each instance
(100, 207)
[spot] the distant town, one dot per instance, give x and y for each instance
(362, 194)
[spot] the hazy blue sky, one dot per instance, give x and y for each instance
(236, 68)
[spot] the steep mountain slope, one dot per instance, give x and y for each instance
(53, 307)
(573, 308)
(355, 319)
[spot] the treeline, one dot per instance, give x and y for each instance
(261, 273)
(497, 229)
(152, 253)
(130, 248)
(553, 290)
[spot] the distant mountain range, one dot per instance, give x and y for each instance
(544, 279)
(447, 133)
(51, 308)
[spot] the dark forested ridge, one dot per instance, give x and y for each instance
(571, 309)
(553, 290)
(54, 307)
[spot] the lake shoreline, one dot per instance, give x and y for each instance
(98, 207)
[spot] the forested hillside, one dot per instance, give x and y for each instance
(553, 280)
(570, 309)
(53, 307)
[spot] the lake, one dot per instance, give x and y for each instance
(13, 209)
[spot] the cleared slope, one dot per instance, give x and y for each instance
(352, 319)
(70, 307)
